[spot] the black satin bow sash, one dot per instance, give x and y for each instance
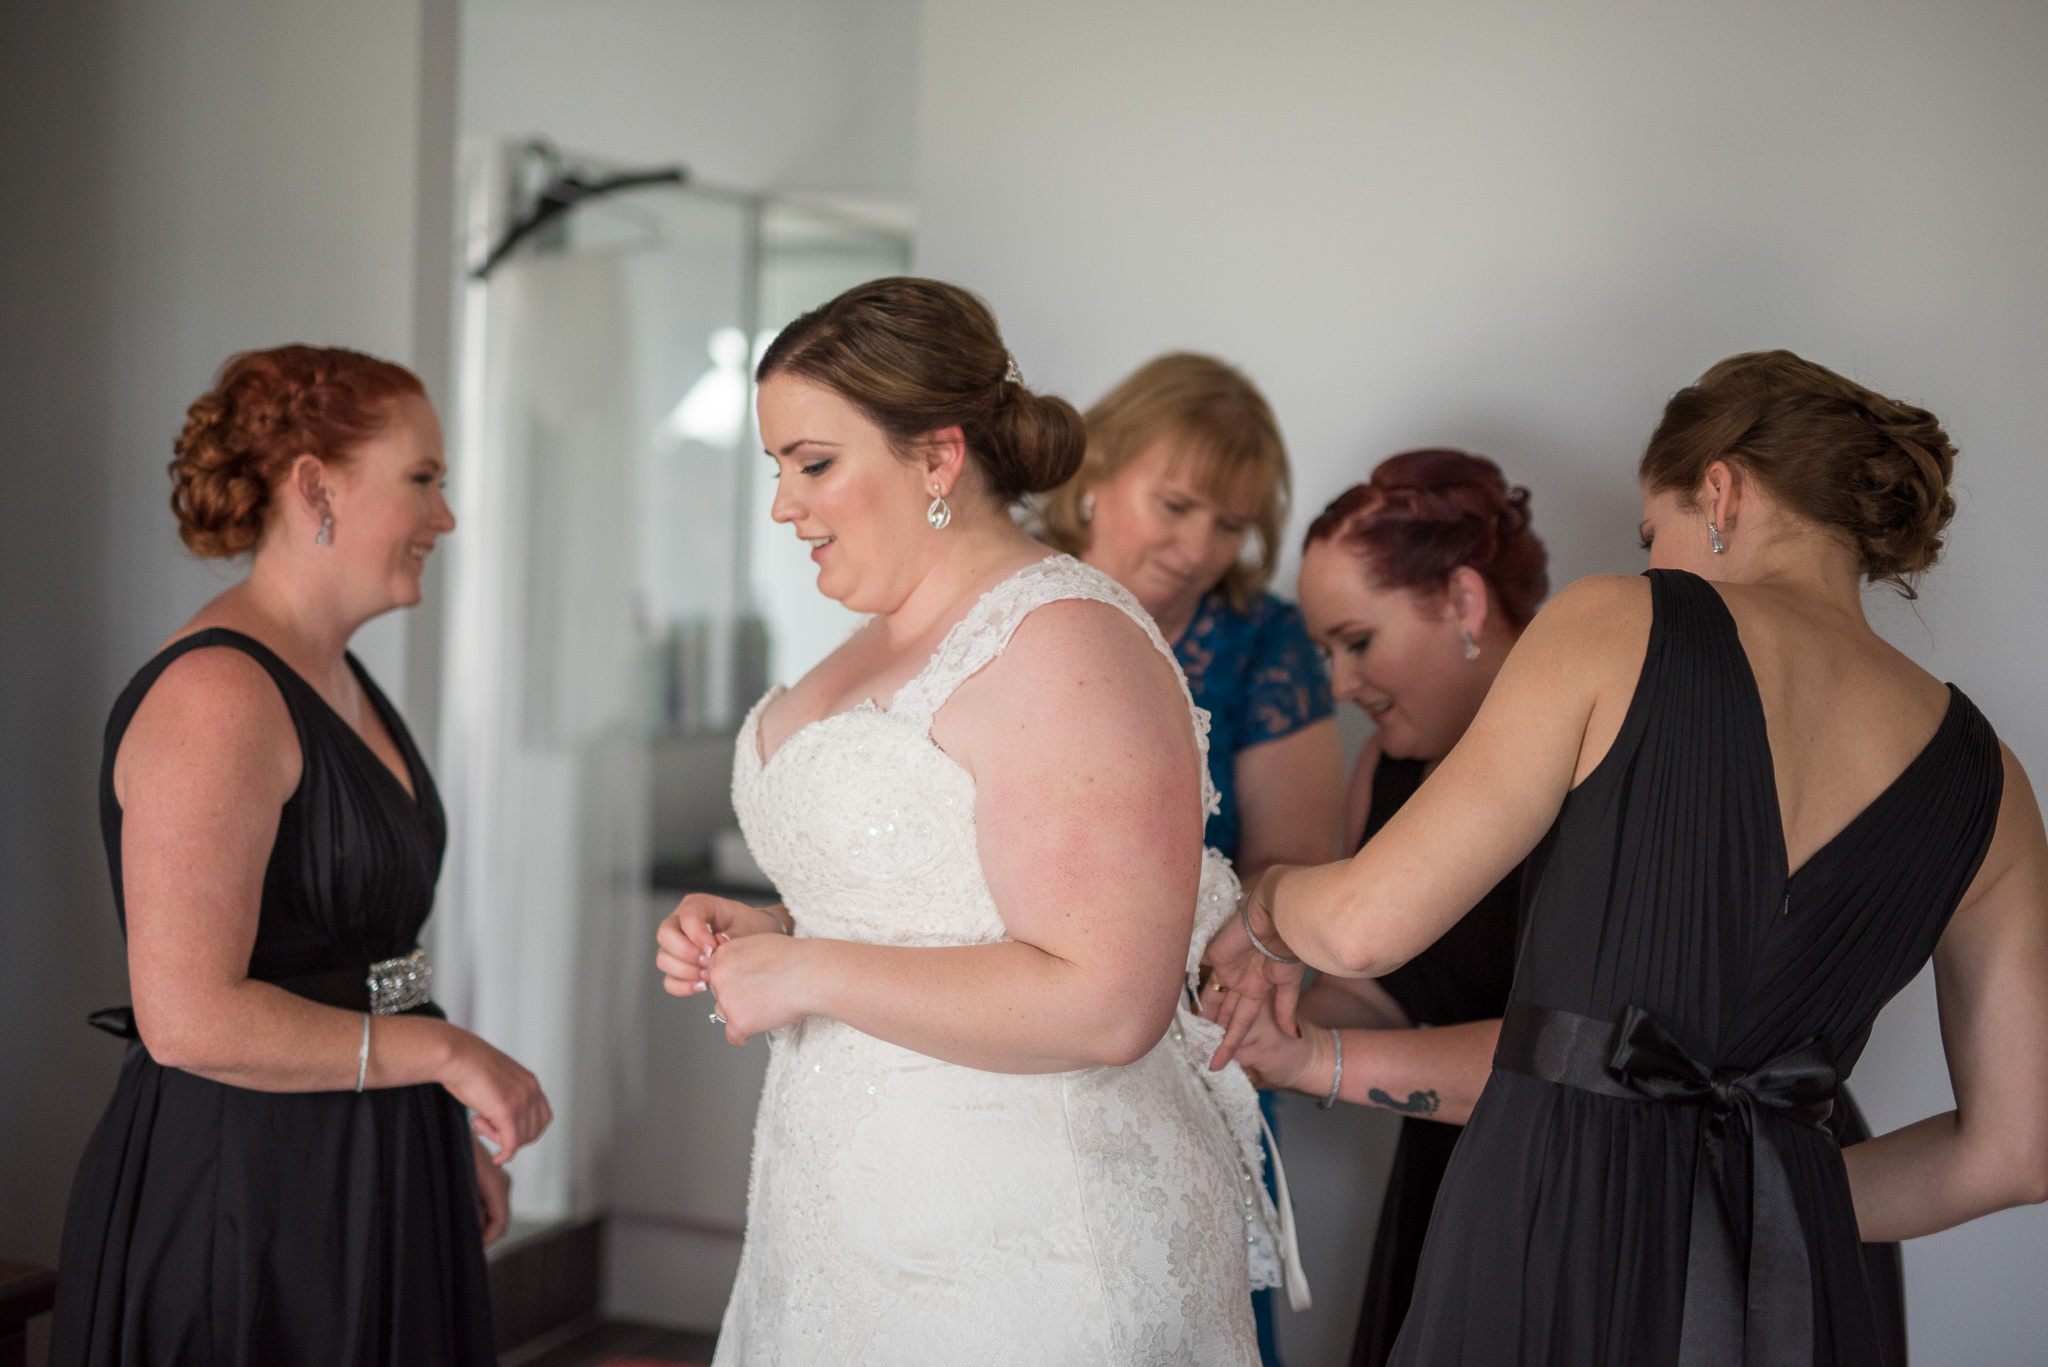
(1749, 1307)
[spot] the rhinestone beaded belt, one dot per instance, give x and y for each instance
(400, 984)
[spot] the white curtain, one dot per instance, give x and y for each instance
(541, 945)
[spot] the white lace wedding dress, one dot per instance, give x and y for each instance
(907, 1211)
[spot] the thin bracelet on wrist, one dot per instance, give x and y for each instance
(1336, 1074)
(363, 1054)
(1244, 914)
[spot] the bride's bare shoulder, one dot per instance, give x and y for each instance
(1084, 635)
(1078, 653)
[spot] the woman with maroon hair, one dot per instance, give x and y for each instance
(285, 1174)
(1415, 584)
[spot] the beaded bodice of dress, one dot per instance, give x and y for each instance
(866, 826)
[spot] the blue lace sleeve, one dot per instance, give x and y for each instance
(1286, 684)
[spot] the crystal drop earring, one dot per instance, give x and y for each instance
(1471, 646)
(326, 533)
(938, 514)
(1715, 533)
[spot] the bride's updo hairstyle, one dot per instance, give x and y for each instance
(1424, 514)
(1873, 469)
(265, 410)
(919, 355)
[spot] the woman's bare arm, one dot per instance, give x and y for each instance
(1991, 976)
(1435, 1074)
(1352, 1004)
(1489, 801)
(1090, 831)
(1551, 715)
(1289, 799)
(203, 772)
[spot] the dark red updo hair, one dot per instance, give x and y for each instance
(265, 410)
(1425, 513)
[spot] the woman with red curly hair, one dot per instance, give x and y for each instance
(284, 1174)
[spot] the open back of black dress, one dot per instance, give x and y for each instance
(1648, 1177)
(219, 1225)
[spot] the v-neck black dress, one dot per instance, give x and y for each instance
(1649, 1177)
(212, 1224)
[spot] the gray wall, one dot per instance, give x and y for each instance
(758, 94)
(1518, 228)
(186, 178)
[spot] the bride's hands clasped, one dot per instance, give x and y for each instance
(1241, 979)
(745, 956)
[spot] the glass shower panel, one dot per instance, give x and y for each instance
(690, 307)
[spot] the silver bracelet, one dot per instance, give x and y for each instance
(1244, 914)
(363, 1054)
(1336, 1077)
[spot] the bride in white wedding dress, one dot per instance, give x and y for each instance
(988, 1134)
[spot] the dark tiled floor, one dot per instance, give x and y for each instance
(602, 1342)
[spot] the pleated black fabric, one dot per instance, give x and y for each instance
(1561, 1232)
(212, 1224)
(1464, 976)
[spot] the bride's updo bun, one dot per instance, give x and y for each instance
(1871, 468)
(265, 410)
(919, 355)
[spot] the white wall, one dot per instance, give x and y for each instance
(755, 94)
(186, 178)
(1517, 229)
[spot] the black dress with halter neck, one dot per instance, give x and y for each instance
(1649, 1176)
(216, 1224)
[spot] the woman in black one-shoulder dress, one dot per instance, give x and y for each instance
(1752, 822)
(285, 1174)
(1395, 574)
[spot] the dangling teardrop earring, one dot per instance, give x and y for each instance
(326, 532)
(1471, 646)
(1715, 533)
(1086, 512)
(938, 514)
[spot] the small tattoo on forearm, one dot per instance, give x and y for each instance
(1418, 1103)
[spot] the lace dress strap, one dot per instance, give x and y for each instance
(977, 639)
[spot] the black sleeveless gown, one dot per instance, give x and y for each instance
(212, 1224)
(1648, 1177)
